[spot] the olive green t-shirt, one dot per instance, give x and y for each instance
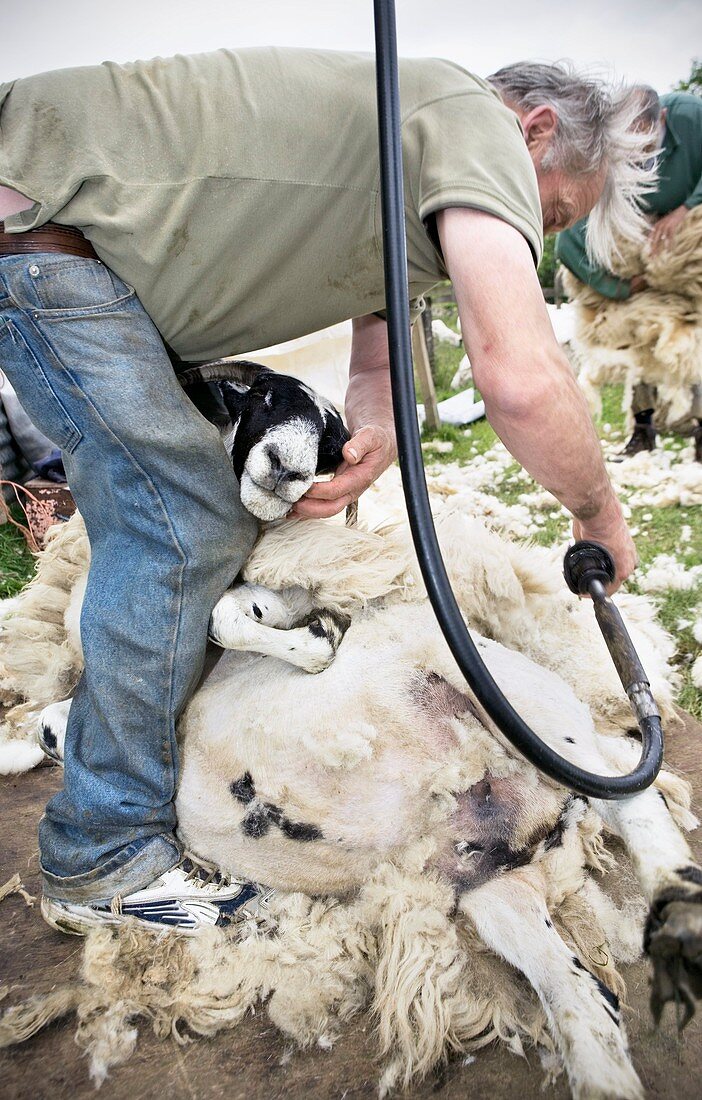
(238, 191)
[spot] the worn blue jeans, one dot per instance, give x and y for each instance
(168, 535)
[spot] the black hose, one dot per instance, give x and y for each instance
(414, 484)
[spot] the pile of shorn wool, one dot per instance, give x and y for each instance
(395, 948)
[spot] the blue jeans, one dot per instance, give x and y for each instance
(168, 535)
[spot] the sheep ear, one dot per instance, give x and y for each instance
(241, 371)
(333, 438)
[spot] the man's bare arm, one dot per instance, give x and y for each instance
(371, 448)
(531, 396)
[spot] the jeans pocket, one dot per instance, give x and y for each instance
(70, 283)
(36, 389)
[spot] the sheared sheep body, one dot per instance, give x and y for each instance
(362, 764)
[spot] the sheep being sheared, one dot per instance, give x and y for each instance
(653, 337)
(380, 781)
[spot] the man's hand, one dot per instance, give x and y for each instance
(666, 227)
(366, 456)
(612, 533)
(372, 446)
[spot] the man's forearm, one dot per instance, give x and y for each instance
(531, 395)
(548, 429)
(369, 400)
(369, 396)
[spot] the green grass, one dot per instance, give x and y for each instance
(659, 534)
(16, 562)
(446, 358)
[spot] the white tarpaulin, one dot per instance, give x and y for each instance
(320, 359)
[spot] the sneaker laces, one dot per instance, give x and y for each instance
(201, 873)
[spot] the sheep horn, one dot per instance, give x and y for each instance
(222, 370)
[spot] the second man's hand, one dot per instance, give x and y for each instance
(666, 227)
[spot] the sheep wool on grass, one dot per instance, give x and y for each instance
(656, 479)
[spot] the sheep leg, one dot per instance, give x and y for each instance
(311, 646)
(669, 877)
(283, 610)
(511, 917)
(661, 856)
(51, 729)
(248, 617)
(672, 884)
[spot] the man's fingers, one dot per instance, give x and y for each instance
(658, 233)
(366, 455)
(329, 497)
(321, 509)
(322, 490)
(341, 484)
(355, 450)
(352, 480)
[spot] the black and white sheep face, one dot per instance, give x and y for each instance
(283, 435)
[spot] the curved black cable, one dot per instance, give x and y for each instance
(412, 467)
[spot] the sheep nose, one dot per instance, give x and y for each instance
(276, 465)
(278, 471)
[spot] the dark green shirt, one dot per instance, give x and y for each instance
(679, 184)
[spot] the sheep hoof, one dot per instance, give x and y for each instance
(674, 945)
(327, 629)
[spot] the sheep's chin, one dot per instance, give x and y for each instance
(262, 503)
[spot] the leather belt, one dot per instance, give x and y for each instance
(47, 238)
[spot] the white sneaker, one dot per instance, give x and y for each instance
(191, 896)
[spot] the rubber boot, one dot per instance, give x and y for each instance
(642, 439)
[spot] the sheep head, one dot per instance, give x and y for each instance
(282, 433)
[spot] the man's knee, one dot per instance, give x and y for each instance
(222, 538)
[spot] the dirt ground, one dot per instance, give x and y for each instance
(255, 1061)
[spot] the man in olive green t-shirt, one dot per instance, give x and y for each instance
(677, 120)
(232, 200)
